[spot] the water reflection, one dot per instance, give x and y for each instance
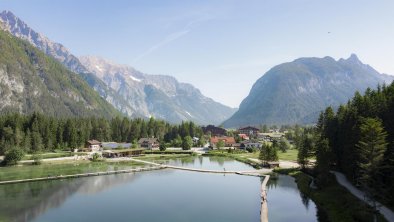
(287, 203)
(165, 195)
(25, 201)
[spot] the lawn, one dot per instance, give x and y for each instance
(53, 155)
(290, 155)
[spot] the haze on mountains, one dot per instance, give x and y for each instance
(289, 93)
(296, 92)
(133, 93)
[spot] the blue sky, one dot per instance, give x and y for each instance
(220, 46)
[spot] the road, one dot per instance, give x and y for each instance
(386, 212)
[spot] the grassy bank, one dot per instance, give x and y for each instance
(289, 155)
(53, 155)
(336, 202)
(241, 157)
(56, 169)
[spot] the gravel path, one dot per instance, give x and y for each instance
(386, 212)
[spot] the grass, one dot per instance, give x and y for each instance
(53, 155)
(243, 156)
(54, 169)
(290, 155)
(335, 201)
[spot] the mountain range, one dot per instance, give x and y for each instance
(31, 82)
(131, 92)
(296, 92)
(37, 74)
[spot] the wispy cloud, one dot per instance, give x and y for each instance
(173, 36)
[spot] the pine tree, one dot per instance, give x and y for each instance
(371, 148)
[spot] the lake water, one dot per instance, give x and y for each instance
(164, 195)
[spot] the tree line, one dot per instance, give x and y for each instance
(39, 133)
(358, 140)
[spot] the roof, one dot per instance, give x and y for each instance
(93, 142)
(249, 128)
(122, 150)
(228, 140)
(273, 135)
(114, 145)
(148, 140)
(243, 136)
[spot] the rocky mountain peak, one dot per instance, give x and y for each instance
(296, 92)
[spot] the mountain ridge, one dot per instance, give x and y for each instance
(124, 98)
(295, 92)
(183, 100)
(34, 82)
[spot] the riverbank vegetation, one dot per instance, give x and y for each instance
(357, 140)
(334, 201)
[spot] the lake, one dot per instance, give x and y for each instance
(163, 195)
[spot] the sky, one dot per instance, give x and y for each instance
(220, 46)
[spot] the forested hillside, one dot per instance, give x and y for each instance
(31, 81)
(359, 141)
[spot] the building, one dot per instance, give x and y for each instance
(249, 130)
(243, 136)
(93, 145)
(149, 143)
(253, 145)
(122, 153)
(269, 137)
(228, 141)
(115, 145)
(215, 131)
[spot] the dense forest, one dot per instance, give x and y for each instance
(359, 141)
(38, 132)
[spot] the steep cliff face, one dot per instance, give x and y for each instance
(158, 95)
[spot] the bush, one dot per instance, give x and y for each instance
(13, 156)
(163, 146)
(37, 159)
(96, 157)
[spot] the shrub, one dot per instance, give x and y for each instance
(163, 146)
(13, 156)
(37, 159)
(96, 157)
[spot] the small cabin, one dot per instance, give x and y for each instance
(93, 145)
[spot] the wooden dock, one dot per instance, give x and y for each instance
(264, 205)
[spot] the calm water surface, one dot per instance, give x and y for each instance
(165, 195)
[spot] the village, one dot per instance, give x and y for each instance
(247, 139)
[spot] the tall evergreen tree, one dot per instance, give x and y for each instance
(372, 147)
